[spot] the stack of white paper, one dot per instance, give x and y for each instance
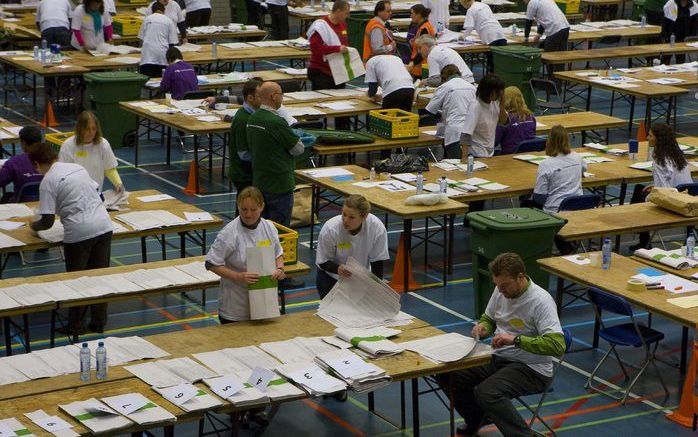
(297, 349)
(235, 45)
(374, 341)
(328, 172)
(113, 201)
(231, 388)
(188, 397)
(361, 376)
(138, 346)
(51, 424)
(14, 210)
(668, 258)
(10, 375)
(263, 294)
(12, 425)
(148, 279)
(6, 302)
(305, 95)
(198, 270)
(29, 365)
(96, 416)
(294, 71)
(7, 241)
(312, 378)
(361, 300)
(138, 408)
(345, 92)
(142, 220)
(63, 360)
(167, 373)
(444, 348)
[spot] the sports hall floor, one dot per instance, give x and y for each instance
(569, 408)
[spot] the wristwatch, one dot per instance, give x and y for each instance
(517, 341)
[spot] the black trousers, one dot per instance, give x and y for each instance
(253, 13)
(57, 35)
(488, 390)
(399, 99)
(87, 255)
(488, 54)
(151, 70)
(557, 42)
(279, 21)
(198, 18)
(324, 283)
(321, 81)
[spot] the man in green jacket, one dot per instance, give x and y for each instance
(522, 316)
(240, 157)
(273, 144)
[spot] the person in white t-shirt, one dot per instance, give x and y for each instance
(158, 34)
(454, 98)
(440, 16)
(110, 7)
(356, 233)
(91, 150)
(227, 256)
(438, 57)
(389, 73)
(479, 17)
(278, 11)
(53, 20)
(91, 25)
(198, 12)
(551, 21)
(488, 112)
(173, 11)
(522, 318)
(70, 193)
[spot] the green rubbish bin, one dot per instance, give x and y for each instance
(104, 91)
(516, 65)
(356, 27)
(525, 231)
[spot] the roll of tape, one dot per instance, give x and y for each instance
(636, 285)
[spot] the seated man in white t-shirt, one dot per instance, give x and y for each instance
(438, 57)
(522, 317)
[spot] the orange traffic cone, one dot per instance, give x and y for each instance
(49, 118)
(398, 281)
(193, 179)
(689, 398)
(642, 132)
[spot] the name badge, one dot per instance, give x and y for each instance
(344, 245)
(264, 243)
(81, 154)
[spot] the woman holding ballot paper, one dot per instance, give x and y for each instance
(356, 233)
(228, 255)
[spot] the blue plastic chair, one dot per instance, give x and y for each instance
(581, 202)
(535, 411)
(691, 189)
(625, 334)
(533, 145)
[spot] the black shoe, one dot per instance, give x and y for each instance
(95, 328)
(290, 283)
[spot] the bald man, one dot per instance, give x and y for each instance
(273, 145)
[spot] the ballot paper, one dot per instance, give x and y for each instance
(198, 216)
(200, 401)
(176, 276)
(361, 300)
(148, 279)
(227, 387)
(53, 424)
(327, 172)
(189, 47)
(297, 349)
(580, 260)
(361, 376)
(155, 198)
(268, 43)
(63, 360)
(312, 378)
(668, 258)
(374, 341)
(224, 361)
(96, 416)
(305, 95)
(684, 302)
(235, 45)
(54, 234)
(114, 201)
(29, 365)
(198, 271)
(263, 294)
(337, 106)
(10, 375)
(14, 210)
(344, 92)
(139, 346)
(128, 60)
(444, 348)
(294, 71)
(299, 111)
(105, 49)
(6, 302)
(167, 373)
(644, 165)
(533, 159)
(142, 220)
(139, 409)
(11, 425)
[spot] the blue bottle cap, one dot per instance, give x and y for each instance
(101, 343)
(84, 344)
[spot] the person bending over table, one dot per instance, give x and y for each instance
(19, 170)
(455, 99)
(551, 20)
(67, 190)
(158, 34)
(520, 125)
(356, 233)
(387, 72)
(522, 318)
(669, 169)
(680, 20)
(437, 57)
(328, 35)
(420, 21)
(378, 37)
(227, 255)
(91, 150)
(179, 77)
(173, 11)
(53, 20)
(479, 17)
(198, 12)
(91, 25)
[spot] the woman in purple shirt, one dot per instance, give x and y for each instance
(20, 171)
(179, 77)
(521, 124)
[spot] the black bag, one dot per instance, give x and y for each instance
(402, 163)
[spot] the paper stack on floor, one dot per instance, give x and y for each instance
(443, 348)
(96, 416)
(373, 341)
(312, 378)
(139, 409)
(361, 376)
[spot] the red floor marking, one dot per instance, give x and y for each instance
(168, 315)
(333, 417)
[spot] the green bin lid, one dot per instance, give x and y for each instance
(515, 218)
(517, 51)
(115, 76)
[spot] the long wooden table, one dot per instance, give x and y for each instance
(218, 81)
(620, 52)
(47, 394)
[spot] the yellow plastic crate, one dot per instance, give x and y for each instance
(127, 25)
(393, 123)
(58, 138)
(289, 243)
(568, 6)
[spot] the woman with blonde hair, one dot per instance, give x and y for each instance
(520, 125)
(356, 233)
(91, 150)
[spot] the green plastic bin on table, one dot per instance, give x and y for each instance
(516, 65)
(356, 27)
(104, 91)
(528, 232)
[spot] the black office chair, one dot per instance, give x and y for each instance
(200, 94)
(28, 193)
(552, 100)
(536, 144)
(691, 188)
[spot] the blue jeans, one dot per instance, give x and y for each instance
(278, 207)
(324, 283)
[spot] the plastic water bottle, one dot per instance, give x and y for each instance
(372, 174)
(606, 254)
(42, 54)
(312, 3)
(84, 363)
(101, 356)
(643, 21)
(439, 28)
(514, 29)
(226, 93)
(419, 182)
(214, 49)
(690, 246)
(471, 165)
(44, 44)
(672, 40)
(36, 53)
(443, 185)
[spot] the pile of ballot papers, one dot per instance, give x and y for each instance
(311, 378)
(373, 342)
(360, 376)
(444, 348)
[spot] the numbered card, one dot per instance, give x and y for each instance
(128, 403)
(52, 423)
(5, 431)
(350, 365)
(179, 394)
(225, 386)
(99, 408)
(314, 378)
(261, 378)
